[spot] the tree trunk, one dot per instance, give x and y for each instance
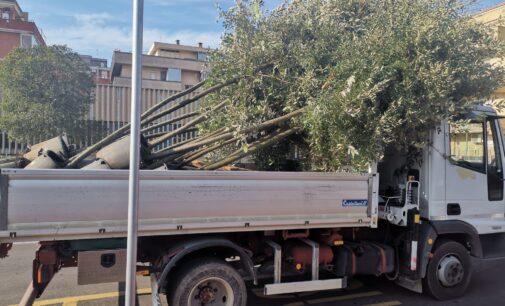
(260, 144)
(191, 156)
(201, 95)
(225, 136)
(171, 120)
(178, 144)
(188, 125)
(183, 103)
(173, 134)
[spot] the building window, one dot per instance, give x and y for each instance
(202, 56)
(6, 14)
(103, 74)
(174, 75)
(152, 76)
(26, 41)
(168, 53)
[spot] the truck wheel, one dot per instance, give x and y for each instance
(449, 271)
(207, 281)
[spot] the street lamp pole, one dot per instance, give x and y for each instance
(133, 179)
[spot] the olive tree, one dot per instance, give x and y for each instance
(368, 73)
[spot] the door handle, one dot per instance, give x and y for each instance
(453, 209)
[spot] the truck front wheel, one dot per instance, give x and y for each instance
(207, 281)
(449, 271)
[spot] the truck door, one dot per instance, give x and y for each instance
(474, 174)
(494, 161)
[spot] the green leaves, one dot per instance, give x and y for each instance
(372, 73)
(45, 92)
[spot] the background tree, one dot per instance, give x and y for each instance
(368, 74)
(45, 91)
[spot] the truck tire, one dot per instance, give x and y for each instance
(449, 271)
(207, 281)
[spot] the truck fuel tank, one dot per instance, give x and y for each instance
(363, 258)
(301, 254)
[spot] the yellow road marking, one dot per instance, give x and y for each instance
(344, 297)
(73, 300)
(388, 303)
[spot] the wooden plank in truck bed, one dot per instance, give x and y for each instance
(79, 204)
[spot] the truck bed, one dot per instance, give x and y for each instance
(47, 205)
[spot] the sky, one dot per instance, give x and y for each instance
(98, 27)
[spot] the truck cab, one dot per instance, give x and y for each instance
(456, 186)
(459, 174)
(466, 181)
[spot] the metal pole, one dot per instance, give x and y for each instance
(133, 181)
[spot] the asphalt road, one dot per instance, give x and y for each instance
(487, 288)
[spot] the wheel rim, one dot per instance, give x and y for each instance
(211, 291)
(450, 271)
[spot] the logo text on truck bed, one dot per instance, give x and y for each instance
(354, 203)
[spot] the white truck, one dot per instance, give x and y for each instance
(203, 235)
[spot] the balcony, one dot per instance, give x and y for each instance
(19, 26)
(124, 58)
(146, 83)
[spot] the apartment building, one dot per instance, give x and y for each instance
(100, 72)
(166, 70)
(16, 30)
(493, 17)
(166, 66)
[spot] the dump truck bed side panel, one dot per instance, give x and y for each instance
(74, 204)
